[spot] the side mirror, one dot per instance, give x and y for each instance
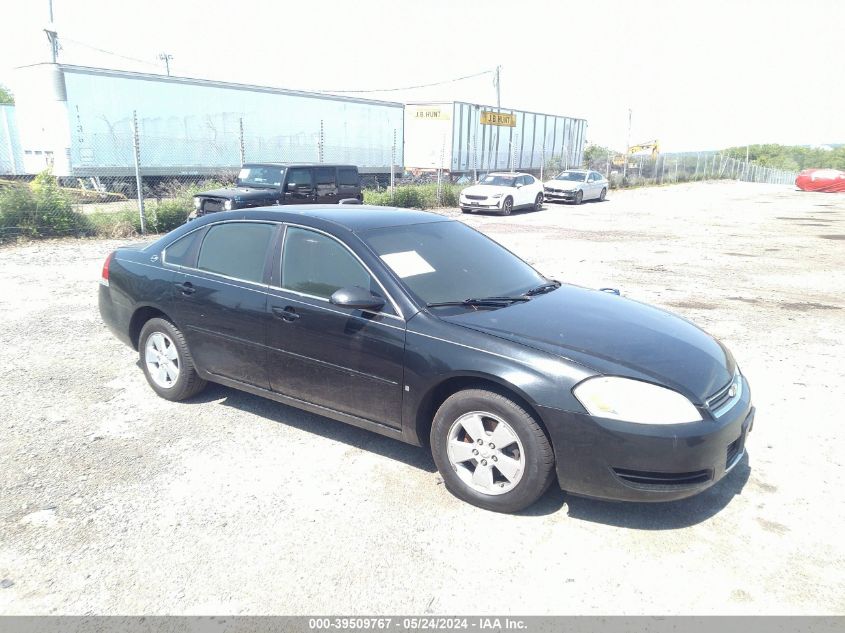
(518, 185)
(291, 186)
(357, 298)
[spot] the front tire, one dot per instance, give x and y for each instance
(603, 194)
(579, 197)
(538, 202)
(507, 206)
(167, 363)
(490, 451)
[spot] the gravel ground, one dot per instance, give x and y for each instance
(114, 501)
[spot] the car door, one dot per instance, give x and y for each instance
(532, 188)
(345, 359)
(325, 179)
(220, 302)
(299, 186)
(595, 185)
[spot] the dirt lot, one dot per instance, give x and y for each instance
(115, 501)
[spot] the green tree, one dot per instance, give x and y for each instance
(6, 95)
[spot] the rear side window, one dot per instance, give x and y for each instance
(317, 265)
(183, 252)
(348, 177)
(236, 249)
(326, 175)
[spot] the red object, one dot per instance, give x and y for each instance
(827, 180)
(104, 278)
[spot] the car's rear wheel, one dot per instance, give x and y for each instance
(166, 361)
(538, 202)
(490, 451)
(603, 194)
(579, 197)
(507, 206)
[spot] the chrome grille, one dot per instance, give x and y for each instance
(470, 197)
(726, 396)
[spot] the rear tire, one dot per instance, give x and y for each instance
(504, 478)
(167, 363)
(538, 202)
(507, 206)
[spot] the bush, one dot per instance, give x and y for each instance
(40, 209)
(415, 196)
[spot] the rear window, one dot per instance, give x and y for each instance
(236, 249)
(183, 252)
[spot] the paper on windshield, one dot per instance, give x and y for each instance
(407, 263)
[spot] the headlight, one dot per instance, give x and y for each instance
(197, 203)
(227, 205)
(634, 401)
(496, 195)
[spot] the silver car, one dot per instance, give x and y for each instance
(576, 185)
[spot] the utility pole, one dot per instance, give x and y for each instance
(627, 147)
(165, 57)
(498, 83)
(52, 36)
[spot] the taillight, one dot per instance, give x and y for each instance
(104, 277)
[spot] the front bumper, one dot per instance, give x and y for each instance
(480, 205)
(621, 461)
(565, 196)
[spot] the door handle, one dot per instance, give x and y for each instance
(187, 288)
(285, 314)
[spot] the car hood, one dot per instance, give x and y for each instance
(239, 193)
(565, 185)
(486, 190)
(613, 336)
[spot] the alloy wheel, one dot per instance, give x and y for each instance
(162, 359)
(486, 453)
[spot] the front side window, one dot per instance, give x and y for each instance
(317, 265)
(300, 178)
(236, 249)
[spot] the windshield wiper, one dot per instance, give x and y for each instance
(542, 288)
(484, 301)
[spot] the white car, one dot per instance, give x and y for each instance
(503, 192)
(576, 185)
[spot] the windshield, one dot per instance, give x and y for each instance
(577, 176)
(449, 261)
(499, 181)
(261, 176)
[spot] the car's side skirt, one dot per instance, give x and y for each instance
(311, 407)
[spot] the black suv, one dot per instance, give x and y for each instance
(263, 184)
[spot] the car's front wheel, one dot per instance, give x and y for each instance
(490, 451)
(538, 202)
(507, 206)
(603, 194)
(579, 197)
(166, 361)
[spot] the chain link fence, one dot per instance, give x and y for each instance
(665, 168)
(124, 181)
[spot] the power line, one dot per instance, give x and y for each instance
(102, 50)
(438, 83)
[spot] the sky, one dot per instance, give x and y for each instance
(696, 75)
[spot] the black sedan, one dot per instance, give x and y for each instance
(420, 328)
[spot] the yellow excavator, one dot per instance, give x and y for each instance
(654, 146)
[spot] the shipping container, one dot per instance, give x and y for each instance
(462, 137)
(11, 154)
(80, 120)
